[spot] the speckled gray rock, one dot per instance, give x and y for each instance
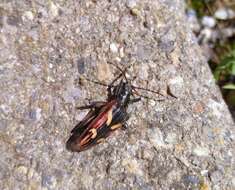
(48, 48)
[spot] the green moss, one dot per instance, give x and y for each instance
(200, 6)
(226, 67)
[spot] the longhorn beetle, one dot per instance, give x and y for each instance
(105, 117)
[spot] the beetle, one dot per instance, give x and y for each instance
(104, 118)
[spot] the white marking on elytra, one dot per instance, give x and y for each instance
(110, 117)
(94, 133)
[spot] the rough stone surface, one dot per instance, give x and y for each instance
(48, 48)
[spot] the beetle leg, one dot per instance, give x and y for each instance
(114, 80)
(134, 100)
(96, 82)
(84, 107)
(116, 126)
(109, 90)
(92, 105)
(124, 126)
(98, 104)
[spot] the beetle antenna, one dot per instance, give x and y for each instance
(111, 84)
(96, 82)
(123, 72)
(146, 97)
(114, 80)
(155, 92)
(148, 90)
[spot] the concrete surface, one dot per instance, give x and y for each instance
(48, 48)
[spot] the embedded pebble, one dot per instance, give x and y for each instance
(13, 20)
(135, 12)
(35, 114)
(49, 181)
(132, 166)
(204, 186)
(204, 172)
(81, 65)
(33, 34)
(131, 3)
(54, 9)
(201, 151)
(176, 86)
(216, 108)
(198, 108)
(114, 48)
(191, 179)
(81, 115)
(216, 176)
(152, 102)
(156, 138)
(143, 73)
(121, 52)
(5, 108)
(22, 169)
(166, 45)
(28, 15)
(171, 138)
(31, 173)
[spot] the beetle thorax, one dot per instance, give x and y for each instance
(122, 93)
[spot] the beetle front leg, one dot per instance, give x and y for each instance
(92, 105)
(124, 126)
(134, 100)
(109, 90)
